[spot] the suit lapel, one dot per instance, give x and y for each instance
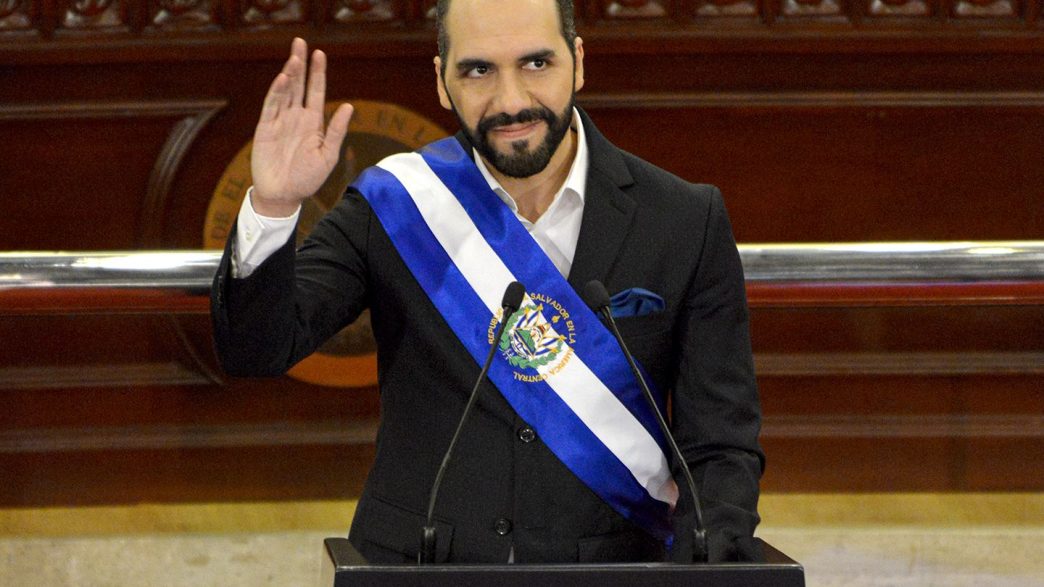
(608, 211)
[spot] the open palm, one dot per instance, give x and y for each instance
(293, 153)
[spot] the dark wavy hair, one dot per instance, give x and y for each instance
(565, 18)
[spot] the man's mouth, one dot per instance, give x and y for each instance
(513, 132)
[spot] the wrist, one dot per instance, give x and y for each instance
(271, 208)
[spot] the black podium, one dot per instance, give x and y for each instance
(343, 566)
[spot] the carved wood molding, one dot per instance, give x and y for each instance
(178, 143)
(934, 364)
(904, 426)
(364, 432)
(97, 27)
(868, 99)
(103, 110)
(102, 375)
(179, 15)
(145, 437)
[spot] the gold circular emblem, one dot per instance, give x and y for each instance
(377, 130)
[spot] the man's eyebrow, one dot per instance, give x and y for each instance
(541, 55)
(465, 65)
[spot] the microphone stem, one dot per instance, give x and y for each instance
(699, 534)
(427, 554)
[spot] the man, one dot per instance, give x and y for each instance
(559, 462)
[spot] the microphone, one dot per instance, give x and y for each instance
(595, 295)
(510, 303)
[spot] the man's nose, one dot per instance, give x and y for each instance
(512, 94)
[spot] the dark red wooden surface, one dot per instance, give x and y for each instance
(820, 121)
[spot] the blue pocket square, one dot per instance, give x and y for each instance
(635, 302)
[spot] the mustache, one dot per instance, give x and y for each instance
(522, 117)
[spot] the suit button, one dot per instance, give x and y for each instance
(527, 434)
(502, 526)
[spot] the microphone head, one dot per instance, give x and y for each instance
(595, 295)
(513, 297)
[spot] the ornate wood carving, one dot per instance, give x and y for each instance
(909, 19)
(268, 12)
(93, 14)
(636, 9)
(812, 8)
(363, 10)
(14, 15)
(178, 14)
(428, 9)
(899, 8)
(726, 8)
(985, 8)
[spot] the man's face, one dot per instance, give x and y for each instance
(510, 79)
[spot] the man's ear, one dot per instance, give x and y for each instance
(578, 52)
(441, 85)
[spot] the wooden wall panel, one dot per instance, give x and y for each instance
(832, 166)
(93, 175)
(255, 473)
(820, 120)
(903, 432)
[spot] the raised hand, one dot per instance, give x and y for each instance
(293, 153)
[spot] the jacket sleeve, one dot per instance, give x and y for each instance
(716, 412)
(294, 301)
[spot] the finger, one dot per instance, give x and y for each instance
(336, 130)
(289, 73)
(316, 98)
(275, 98)
(295, 70)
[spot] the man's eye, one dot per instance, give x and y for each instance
(537, 64)
(479, 71)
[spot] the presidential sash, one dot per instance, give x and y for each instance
(558, 366)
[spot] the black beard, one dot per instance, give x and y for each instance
(521, 162)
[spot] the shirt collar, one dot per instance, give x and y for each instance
(576, 181)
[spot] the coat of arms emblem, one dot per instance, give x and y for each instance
(531, 341)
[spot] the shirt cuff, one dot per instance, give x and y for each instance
(257, 237)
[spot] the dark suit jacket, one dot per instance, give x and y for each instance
(641, 227)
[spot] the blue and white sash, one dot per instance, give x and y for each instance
(559, 367)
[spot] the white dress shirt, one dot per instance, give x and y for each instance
(556, 231)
